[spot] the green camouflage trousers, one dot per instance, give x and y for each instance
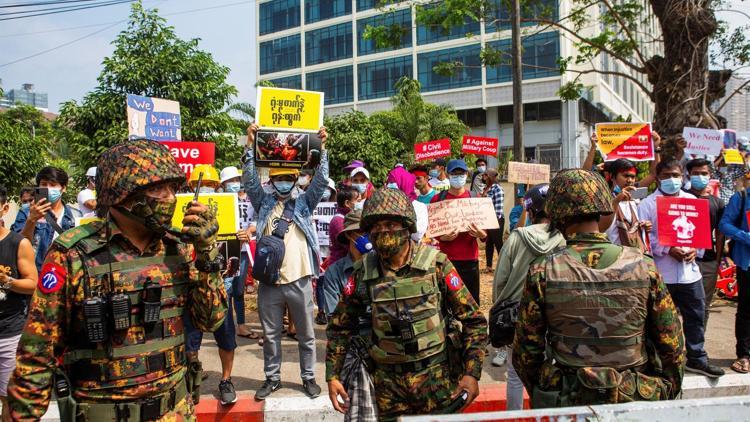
(413, 393)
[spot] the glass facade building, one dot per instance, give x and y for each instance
(377, 79)
(328, 44)
(337, 84)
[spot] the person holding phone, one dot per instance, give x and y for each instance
(624, 227)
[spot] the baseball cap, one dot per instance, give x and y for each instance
(228, 173)
(352, 165)
(91, 172)
(351, 223)
(536, 197)
(457, 164)
(360, 170)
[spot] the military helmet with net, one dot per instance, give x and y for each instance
(390, 204)
(577, 192)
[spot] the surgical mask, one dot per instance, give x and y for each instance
(358, 206)
(53, 194)
(363, 244)
(25, 206)
(304, 180)
(360, 187)
(617, 190)
(233, 187)
(481, 169)
(434, 174)
(283, 187)
(698, 182)
(389, 243)
(207, 189)
(457, 181)
(392, 186)
(670, 186)
(326, 196)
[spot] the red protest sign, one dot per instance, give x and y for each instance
(189, 154)
(625, 140)
(683, 222)
(479, 145)
(432, 149)
(713, 187)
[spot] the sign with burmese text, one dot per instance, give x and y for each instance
(291, 110)
(625, 140)
(683, 222)
(153, 118)
(703, 141)
(527, 173)
(190, 154)
(433, 149)
(223, 204)
(322, 216)
(457, 214)
(479, 145)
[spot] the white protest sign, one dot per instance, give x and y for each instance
(323, 214)
(246, 212)
(527, 173)
(457, 214)
(703, 141)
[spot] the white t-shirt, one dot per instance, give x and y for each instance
(422, 220)
(84, 196)
(439, 185)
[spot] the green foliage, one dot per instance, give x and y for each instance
(22, 156)
(149, 59)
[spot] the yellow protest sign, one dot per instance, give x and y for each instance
(733, 156)
(289, 109)
(79, 221)
(625, 140)
(225, 205)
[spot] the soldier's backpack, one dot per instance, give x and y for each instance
(270, 250)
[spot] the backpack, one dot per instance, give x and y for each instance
(270, 250)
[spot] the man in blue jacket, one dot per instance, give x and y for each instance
(300, 264)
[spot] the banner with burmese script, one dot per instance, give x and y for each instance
(289, 110)
(625, 140)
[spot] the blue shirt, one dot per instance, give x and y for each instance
(337, 275)
(734, 226)
(44, 234)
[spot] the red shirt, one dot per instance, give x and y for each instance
(464, 247)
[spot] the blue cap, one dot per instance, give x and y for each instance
(456, 164)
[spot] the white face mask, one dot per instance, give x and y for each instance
(457, 181)
(360, 187)
(359, 205)
(303, 180)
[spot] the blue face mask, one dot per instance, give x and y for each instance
(698, 182)
(53, 194)
(457, 181)
(670, 186)
(363, 244)
(326, 196)
(25, 206)
(360, 187)
(206, 189)
(392, 186)
(434, 174)
(617, 190)
(233, 187)
(283, 187)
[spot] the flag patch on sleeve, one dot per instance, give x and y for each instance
(52, 278)
(453, 280)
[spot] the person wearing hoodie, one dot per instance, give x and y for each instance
(523, 246)
(400, 178)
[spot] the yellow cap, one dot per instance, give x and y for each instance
(209, 174)
(283, 172)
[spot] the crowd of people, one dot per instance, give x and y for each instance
(110, 314)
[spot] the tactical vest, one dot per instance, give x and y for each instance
(596, 316)
(407, 319)
(143, 348)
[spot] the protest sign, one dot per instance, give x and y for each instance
(79, 221)
(729, 138)
(323, 215)
(733, 156)
(747, 218)
(479, 145)
(245, 214)
(153, 118)
(713, 187)
(683, 222)
(287, 149)
(526, 173)
(289, 110)
(432, 149)
(625, 140)
(457, 214)
(190, 154)
(225, 206)
(703, 141)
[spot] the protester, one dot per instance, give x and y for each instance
(18, 277)
(461, 247)
(438, 177)
(699, 171)
(680, 272)
(47, 217)
(348, 171)
(478, 183)
(425, 191)
(357, 243)
(609, 174)
(624, 227)
(68, 341)
(210, 182)
(347, 199)
(572, 350)
(728, 175)
(360, 180)
(301, 262)
(87, 197)
(26, 198)
(494, 191)
(734, 225)
(402, 277)
(400, 178)
(517, 211)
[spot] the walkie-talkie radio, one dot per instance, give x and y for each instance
(95, 316)
(120, 304)
(151, 301)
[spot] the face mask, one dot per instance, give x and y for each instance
(207, 189)
(670, 186)
(361, 187)
(304, 180)
(434, 174)
(457, 181)
(617, 189)
(233, 187)
(481, 169)
(155, 214)
(388, 244)
(363, 244)
(326, 196)
(25, 206)
(358, 206)
(283, 187)
(698, 182)
(392, 186)
(53, 194)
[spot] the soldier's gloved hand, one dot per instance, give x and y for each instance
(200, 227)
(468, 384)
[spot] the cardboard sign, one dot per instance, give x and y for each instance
(322, 216)
(733, 156)
(683, 222)
(479, 145)
(225, 206)
(432, 149)
(528, 174)
(625, 140)
(457, 214)
(153, 118)
(287, 149)
(190, 154)
(703, 141)
(289, 109)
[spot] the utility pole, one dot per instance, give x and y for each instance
(517, 72)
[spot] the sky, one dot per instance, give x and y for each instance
(225, 27)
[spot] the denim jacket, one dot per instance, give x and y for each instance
(264, 202)
(734, 213)
(44, 233)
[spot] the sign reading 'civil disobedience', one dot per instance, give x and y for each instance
(528, 174)
(432, 149)
(457, 214)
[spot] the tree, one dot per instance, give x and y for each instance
(21, 154)
(149, 59)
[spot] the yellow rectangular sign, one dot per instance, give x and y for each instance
(225, 205)
(79, 221)
(293, 110)
(733, 156)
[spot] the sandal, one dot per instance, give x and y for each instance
(741, 365)
(252, 335)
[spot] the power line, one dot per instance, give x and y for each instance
(40, 3)
(68, 9)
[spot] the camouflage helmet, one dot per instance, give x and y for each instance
(577, 192)
(389, 204)
(131, 166)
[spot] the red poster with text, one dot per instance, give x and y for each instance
(432, 149)
(189, 154)
(683, 222)
(479, 145)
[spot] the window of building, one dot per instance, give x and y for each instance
(530, 112)
(377, 79)
(318, 10)
(503, 71)
(505, 114)
(277, 15)
(540, 53)
(546, 9)
(328, 44)
(290, 82)
(550, 110)
(474, 117)
(430, 34)
(550, 154)
(337, 84)
(468, 74)
(367, 4)
(400, 18)
(280, 54)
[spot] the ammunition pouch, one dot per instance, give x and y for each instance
(455, 349)
(193, 378)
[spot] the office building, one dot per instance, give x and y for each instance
(737, 107)
(25, 95)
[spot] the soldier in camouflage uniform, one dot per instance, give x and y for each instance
(422, 363)
(602, 311)
(105, 326)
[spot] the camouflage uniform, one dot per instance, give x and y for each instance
(423, 298)
(601, 310)
(135, 365)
